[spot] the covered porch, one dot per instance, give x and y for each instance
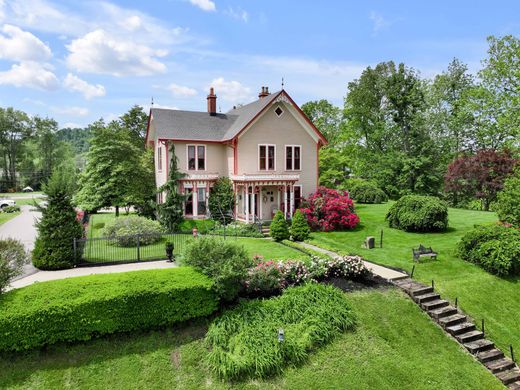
(259, 197)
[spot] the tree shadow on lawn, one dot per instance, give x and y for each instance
(17, 367)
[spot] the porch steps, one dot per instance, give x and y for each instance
(265, 231)
(459, 326)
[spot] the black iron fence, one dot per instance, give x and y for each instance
(129, 249)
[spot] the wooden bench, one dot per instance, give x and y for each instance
(423, 252)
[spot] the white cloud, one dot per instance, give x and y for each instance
(181, 91)
(206, 5)
(132, 23)
(74, 83)
(19, 45)
(238, 14)
(73, 110)
(98, 52)
(232, 91)
(30, 74)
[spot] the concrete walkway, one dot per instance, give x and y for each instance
(23, 228)
(43, 276)
(384, 272)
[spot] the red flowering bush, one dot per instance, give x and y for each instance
(330, 210)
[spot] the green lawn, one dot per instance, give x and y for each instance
(479, 293)
(4, 217)
(28, 201)
(395, 346)
(100, 250)
(11, 194)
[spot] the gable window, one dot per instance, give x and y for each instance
(266, 157)
(278, 111)
(159, 158)
(196, 157)
(293, 157)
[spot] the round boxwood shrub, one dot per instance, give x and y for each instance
(416, 213)
(299, 228)
(279, 229)
(367, 192)
(495, 248)
(124, 231)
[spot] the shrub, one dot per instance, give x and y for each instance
(223, 261)
(264, 279)
(85, 307)
(299, 228)
(244, 342)
(221, 201)
(493, 247)
(508, 204)
(330, 210)
(11, 209)
(418, 213)
(58, 226)
(12, 258)
(124, 230)
(279, 230)
(203, 225)
(348, 267)
(367, 192)
(294, 272)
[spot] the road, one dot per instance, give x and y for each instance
(22, 227)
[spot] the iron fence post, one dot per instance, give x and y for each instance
(138, 248)
(75, 251)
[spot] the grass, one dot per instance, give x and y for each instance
(11, 194)
(395, 346)
(102, 251)
(480, 294)
(28, 201)
(4, 217)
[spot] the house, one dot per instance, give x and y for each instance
(268, 148)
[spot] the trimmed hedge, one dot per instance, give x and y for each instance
(416, 213)
(85, 307)
(495, 248)
(244, 341)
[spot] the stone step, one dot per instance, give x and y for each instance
(432, 305)
(427, 297)
(421, 291)
(491, 355)
(509, 376)
(452, 320)
(514, 386)
(499, 365)
(470, 336)
(443, 312)
(460, 328)
(479, 346)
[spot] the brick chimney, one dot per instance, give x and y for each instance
(264, 93)
(212, 102)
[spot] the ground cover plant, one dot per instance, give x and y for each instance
(81, 308)
(480, 294)
(416, 213)
(495, 248)
(243, 341)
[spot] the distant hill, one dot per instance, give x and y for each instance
(77, 138)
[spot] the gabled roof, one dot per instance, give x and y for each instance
(200, 126)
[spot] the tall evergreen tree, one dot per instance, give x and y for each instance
(170, 212)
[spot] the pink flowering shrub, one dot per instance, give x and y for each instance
(330, 210)
(294, 272)
(265, 278)
(348, 267)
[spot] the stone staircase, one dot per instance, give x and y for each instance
(457, 324)
(265, 231)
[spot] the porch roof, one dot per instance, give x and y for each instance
(265, 179)
(201, 177)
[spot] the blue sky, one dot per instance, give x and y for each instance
(79, 61)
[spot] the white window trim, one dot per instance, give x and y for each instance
(285, 159)
(266, 158)
(159, 158)
(196, 157)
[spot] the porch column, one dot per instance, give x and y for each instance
(292, 201)
(195, 200)
(260, 216)
(253, 203)
(235, 191)
(279, 203)
(285, 201)
(247, 202)
(206, 199)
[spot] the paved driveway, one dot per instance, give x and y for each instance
(23, 228)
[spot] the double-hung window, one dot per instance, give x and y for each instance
(196, 157)
(266, 157)
(159, 157)
(293, 155)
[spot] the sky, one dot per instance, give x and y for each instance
(78, 61)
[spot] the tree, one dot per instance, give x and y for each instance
(279, 230)
(299, 228)
(135, 121)
(508, 200)
(143, 192)
(221, 200)
(326, 117)
(58, 225)
(170, 212)
(108, 179)
(479, 176)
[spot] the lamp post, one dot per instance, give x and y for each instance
(169, 252)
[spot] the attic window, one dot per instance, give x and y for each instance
(278, 111)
